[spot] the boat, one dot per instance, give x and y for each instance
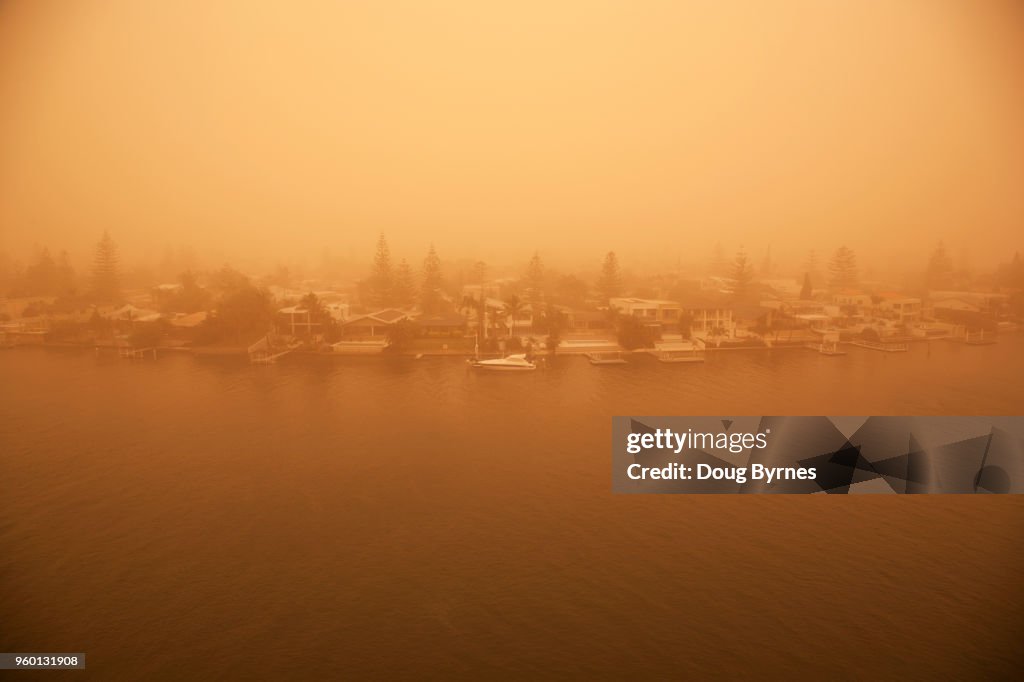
(509, 363)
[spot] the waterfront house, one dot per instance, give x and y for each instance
(650, 311)
(986, 303)
(710, 313)
(584, 321)
(25, 331)
(450, 325)
(852, 298)
(657, 315)
(130, 313)
(902, 309)
(189, 320)
(338, 310)
(298, 321)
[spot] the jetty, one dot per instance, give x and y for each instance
(980, 338)
(677, 352)
(264, 353)
(129, 353)
(606, 358)
(825, 348)
(829, 344)
(884, 346)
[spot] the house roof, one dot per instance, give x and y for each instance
(130, 312)
(442, 321)
(589, 315)
(386, 316)
(389, 315)
(190, 320)
(646, 301)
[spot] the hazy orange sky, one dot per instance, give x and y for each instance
(262, 130)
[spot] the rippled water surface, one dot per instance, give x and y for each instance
(199, 518)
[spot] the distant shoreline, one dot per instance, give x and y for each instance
(241, 351)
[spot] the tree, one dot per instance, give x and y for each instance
(843, 269)
(554, 323)
(381, 278)
(106, 280)
(512, 308)
(1011, 275)
(719, 266)
(742, 275)
(535, 280)
(717, 332)
(479, 274)
(767, 266)
(686, 324)
(807, 291)
(316, 313)
(431, 295)
(571, 290)
(478, 307)
(282, 276)
(610, 281)
(811, 267)
(40, 278)
(939, 274)
(65, 276)
(633, 334)
(400, 336)
(228, 281)
(242, 313)
(405, 285)
(190, 298)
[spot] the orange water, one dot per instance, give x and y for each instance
(354, 518)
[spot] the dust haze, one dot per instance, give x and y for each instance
(258, 132)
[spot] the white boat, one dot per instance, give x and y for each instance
(510, 363)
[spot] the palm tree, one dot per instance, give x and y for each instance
(316, 313)
(478, 306)
(513, 307)
(554, 323)
(716, 333)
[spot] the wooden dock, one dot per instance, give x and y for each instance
(607, 358)
(136, 353)
(825, 348)
(265, 357)
(263, 352)
(979, 338)
(884, 346)
(677, 355)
